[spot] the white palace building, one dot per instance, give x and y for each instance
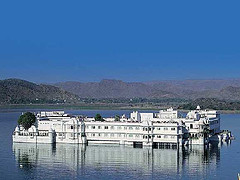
(167, 128)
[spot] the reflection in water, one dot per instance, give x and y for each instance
(80, 159)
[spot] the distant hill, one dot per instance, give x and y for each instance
(16, 91)
(211, 103)
(114, 89)
(195, 85)
(221, 95)
(231, 93)
(188, 89)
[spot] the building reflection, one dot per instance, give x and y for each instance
(80, 158)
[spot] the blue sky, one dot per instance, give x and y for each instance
(51, 41)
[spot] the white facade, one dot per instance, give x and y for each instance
(53, 127)
(166, 128)
(128, 133)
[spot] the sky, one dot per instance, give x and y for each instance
(130, 40)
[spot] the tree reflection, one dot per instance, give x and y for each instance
(25, 162)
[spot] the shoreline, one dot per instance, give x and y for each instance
(96, 107)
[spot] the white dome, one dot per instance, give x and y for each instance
(32, 129)
(17, 129)
(190, 115)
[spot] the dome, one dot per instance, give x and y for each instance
(32, 129)
(17, 129)
(190, 115)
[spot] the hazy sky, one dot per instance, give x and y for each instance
(49, 41)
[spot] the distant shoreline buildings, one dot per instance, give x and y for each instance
(167, 128)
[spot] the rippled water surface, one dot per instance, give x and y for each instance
(63, 161)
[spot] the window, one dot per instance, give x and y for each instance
(119, 127)
(93, 127)
(158, 136)
(106, 135)
(105, 127)
(112, 127)
(159, 128)
(172, 137)
(99, 127)
(130, 128)
(93, 134)
(173, 129)
(112, 135)
(191, 126)
(130, 135)
(71, 127)
(137, 128)
(165, 128)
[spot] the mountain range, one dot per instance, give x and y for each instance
(17, 91)
(186, 89)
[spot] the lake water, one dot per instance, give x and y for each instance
(64, 161)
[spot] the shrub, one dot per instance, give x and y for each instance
(27, 120)
(98, 117)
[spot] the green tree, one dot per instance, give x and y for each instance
(98, 117)
(27, 120)
(117, 118)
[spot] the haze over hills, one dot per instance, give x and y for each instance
(216, 94)
(16, 91)
(114, 89)
(197, 85)
(186, 89)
